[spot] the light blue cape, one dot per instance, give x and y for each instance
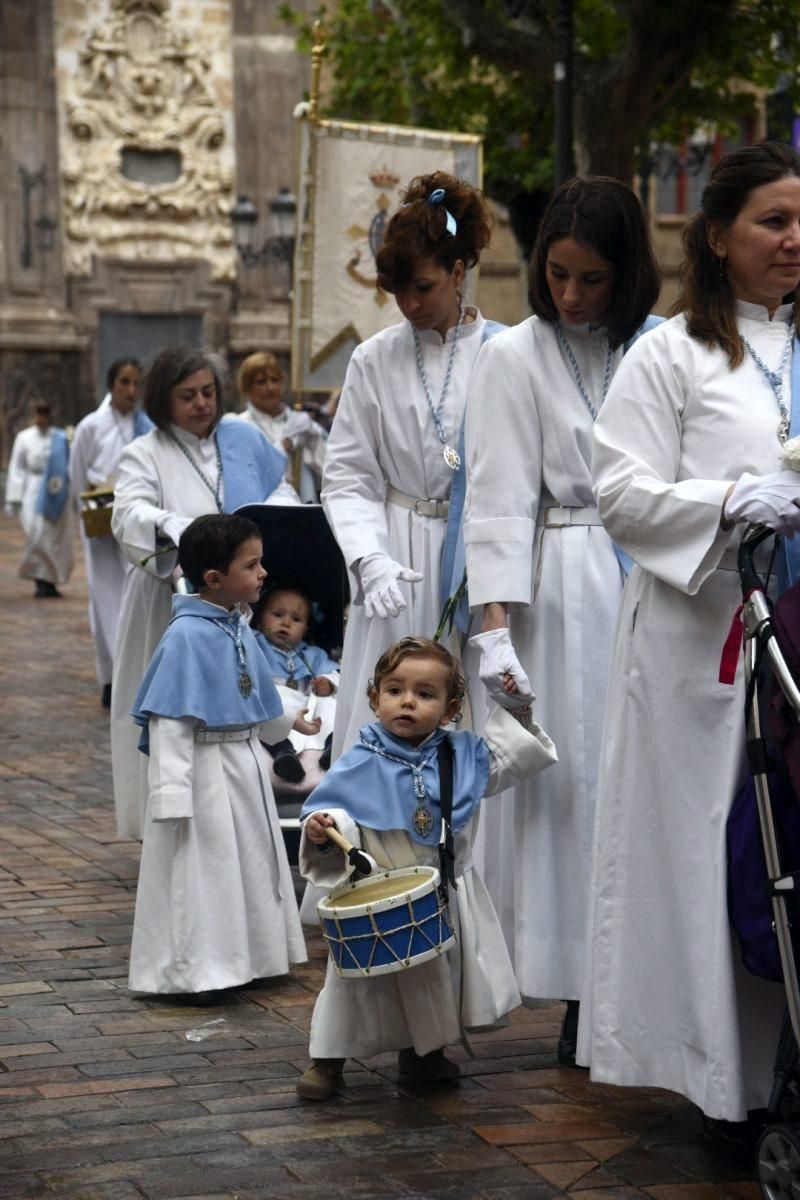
(54, 490)
(251, 467)
(279, 660)
(194, 673)
(379, 794)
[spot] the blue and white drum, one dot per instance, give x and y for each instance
(388, 922)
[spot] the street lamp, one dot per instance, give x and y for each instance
(278, 245)
(44, 225)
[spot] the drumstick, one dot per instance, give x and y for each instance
(362, 862)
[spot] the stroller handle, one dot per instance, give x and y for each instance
(749, 577)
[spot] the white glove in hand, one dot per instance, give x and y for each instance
(771, 500)
(498, 660)
(173, 526)
(379, 576)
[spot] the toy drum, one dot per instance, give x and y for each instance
(388, 922)
(96, 509)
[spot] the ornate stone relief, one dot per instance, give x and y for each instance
(147, 87)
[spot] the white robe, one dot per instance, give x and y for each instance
(155, 480)
(48, 553)
(99, 441)
(383, 434)
(215, 902)
(472, 984)
(665, 1001)
(528, 443)
(308, 438)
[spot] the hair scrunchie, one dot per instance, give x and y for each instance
(438, 197)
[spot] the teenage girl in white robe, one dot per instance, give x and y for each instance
(540, 564)
(686, 445)
(99, 441)
(166, 479)
(48, 555)
(386, 482)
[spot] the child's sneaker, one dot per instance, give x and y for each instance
(322, 1080)
(432, 1068)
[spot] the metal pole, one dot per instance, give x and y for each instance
(565, 162)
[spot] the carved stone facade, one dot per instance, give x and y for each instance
(138, 85)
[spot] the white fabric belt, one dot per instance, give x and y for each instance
(206, 736)
(558, 518)
(424, 508)
(36, 470)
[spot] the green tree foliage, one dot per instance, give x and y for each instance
(644, 70)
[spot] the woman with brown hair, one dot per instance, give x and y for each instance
(687, 445)
(191, 464)
(541, 565)
(392, 453)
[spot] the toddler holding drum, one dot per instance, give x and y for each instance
(386, 796)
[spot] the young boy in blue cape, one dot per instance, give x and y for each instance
(282, 618)
(383, 795)
(215, 905)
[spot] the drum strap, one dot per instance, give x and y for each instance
(447, 854)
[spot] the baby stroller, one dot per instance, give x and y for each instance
(772, 649)
(300, 549)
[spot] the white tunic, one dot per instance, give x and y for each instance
(215, 903)
(666, 1002)
(307, 437)
(99, 441)
(470, 986)
(383, 435)
(155, 481)
(529, 444)
(48, 553)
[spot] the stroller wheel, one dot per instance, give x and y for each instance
(778, 1159)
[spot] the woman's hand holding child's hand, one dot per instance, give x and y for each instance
(316, 825)
(301, 725)
(322, 686)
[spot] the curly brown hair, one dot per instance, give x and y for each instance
(418, 230)
(420, 647)
(705, 293)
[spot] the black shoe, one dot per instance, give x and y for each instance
(105, 696)
(287, 765)
(325, 757)
(46, 591)
(568, 1038)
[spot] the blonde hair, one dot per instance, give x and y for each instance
(420, 647)
(264, 360)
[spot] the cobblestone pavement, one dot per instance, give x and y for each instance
(104, 1096)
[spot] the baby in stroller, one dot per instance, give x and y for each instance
(282, 619)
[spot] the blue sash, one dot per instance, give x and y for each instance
(141, 423)
(251, 467)
(454, 559)
(789, 558)
(54, 492)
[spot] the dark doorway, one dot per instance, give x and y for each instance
(142, 336)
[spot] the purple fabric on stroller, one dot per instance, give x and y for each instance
(749, 905)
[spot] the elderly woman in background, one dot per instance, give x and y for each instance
(191, 463)
(687, 447)
(37, 490)
(296, 434)
(99, 441)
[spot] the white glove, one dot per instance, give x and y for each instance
(772, 500)
(173, 526)
(379, 575)
(498, 660)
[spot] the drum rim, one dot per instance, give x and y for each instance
(329, 912)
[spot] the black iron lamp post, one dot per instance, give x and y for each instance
(44, 225)
(278, 246)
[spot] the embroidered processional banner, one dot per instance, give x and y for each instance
(351, 181)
